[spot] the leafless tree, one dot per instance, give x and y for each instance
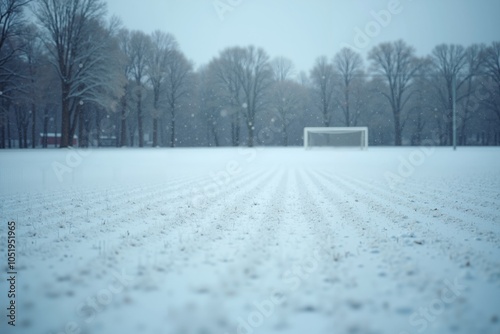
(449, 61)
(286, 96)
(466, 96)
(245, 75)
(103, 81)
(210, 100)
(283, 69)
(140, 47)
(491, 64)
(397, 64)
(79, 46)
(348, 65)
(286, 100)
(123, 38)
(178, 70)
(11, 26)
(323, 80)
(33, 59)
(421, 108)
(224, 71)
(255, 76)
(162, 47)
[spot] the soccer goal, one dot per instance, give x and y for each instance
(355, 137)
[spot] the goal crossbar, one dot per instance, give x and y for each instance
(337, 130)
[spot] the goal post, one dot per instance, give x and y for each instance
(356, 137)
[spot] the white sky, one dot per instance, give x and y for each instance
(302, 30)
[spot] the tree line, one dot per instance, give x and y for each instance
(77, 74)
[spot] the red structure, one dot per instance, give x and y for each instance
(53, 140)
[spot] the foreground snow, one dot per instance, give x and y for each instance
(253, 240)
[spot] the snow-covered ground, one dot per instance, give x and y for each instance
(276, 240)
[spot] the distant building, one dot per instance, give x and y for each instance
(54, 140)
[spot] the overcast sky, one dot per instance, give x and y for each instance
(302, 30)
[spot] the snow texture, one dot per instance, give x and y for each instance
(389, 240)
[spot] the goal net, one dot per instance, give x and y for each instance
(355, 137)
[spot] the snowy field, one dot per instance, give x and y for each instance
(276, 240)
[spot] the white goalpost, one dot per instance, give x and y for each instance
(354, 137)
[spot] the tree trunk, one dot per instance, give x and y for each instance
(20, 141)
(235, 128)
(123, 126)
(33, 125)
(98, 126)
(3, 123)
(25, 135)
(347, 110)
(45, 126)
(285, 134)
(172, 128)
(420, 129)
(251, 130)
(214, 133)
(163, 131)
(74, 122)
(65, 116)
(250, 136)
(83, 134)
(131, 139)
(2, 132)
(397, 129)
(9, 137)
(117, 128)
(156, 115)
(139, 118)
(326, 120)
(155, 130)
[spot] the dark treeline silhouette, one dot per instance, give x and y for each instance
(77, 78)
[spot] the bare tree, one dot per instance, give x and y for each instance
(449, 61)
(124, 46)
(286, 99)
(210, 99)
(33, 58)
(102, 84)
(421, 108)
(11, 23)
(283, 69)
(177, 75)
(11, 26)
(348, 64)
(255, 76)
(472, 68)
(245, 74)
(285, 95)
(322, 77)
(79, 48)
(224, 70)
(491, 58)
(162, 47)
(397, 64)
(140, 47)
